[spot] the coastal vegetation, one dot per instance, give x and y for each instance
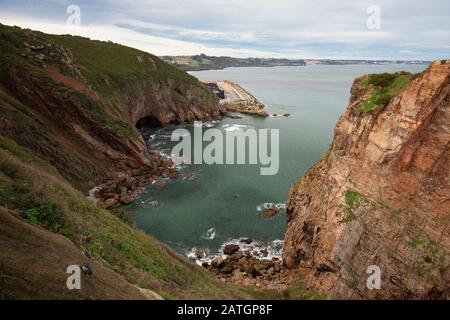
(66, 121)
(33, 188)
(385, 87)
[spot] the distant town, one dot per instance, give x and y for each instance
(204, 62)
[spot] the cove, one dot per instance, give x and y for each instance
(226, 198)
(238, 146)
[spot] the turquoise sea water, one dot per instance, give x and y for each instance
(225, 197)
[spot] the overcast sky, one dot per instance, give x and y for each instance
(278, 28)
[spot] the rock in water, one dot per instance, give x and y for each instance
(153, 203)
(270, 212)
(211, 234)
(246, 241)
(200, 254)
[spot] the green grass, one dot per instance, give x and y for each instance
(353, 199)
(12, 148)
(30, 181)
(111, 72)
(111, 67)
(51, 202)
(349, 216)
(429, 260)
(48, 216)
(386, 86)
(415, 242)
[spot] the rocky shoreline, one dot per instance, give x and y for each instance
(245, 261)
(242, 261)
(123, 188)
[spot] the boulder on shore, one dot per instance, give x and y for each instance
(200, 254)
(126, 199)
(110, 203)
(231, 249)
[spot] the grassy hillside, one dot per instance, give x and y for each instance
(32, 187)
(385, 87)
(68, 109)
(75, 102)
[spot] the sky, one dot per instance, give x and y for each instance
(359, 29)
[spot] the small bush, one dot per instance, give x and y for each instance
(349, 217)
(17, 195)
(387, 85)
(415, 242)
(8, 170)
(11, 38)
(353, 199)
(48, 216)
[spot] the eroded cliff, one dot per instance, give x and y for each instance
(68, 110)
(381, 194)
(75, 102)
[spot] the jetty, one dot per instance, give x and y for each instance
(232, 97)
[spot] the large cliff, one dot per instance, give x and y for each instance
(68, 110)
(75, 102)
(381, 194)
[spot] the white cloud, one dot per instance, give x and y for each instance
(282, 28)
(156, 45)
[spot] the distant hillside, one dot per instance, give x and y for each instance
(204, 62)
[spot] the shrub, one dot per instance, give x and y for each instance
(387, 85)
(48, 216)
(352, 199)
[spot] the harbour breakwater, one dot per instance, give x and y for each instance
(232, 97)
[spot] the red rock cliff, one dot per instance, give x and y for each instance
(380, 196)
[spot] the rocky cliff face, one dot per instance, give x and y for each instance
(75, 102)
(380, 196)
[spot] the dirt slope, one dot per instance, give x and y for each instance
(33, 264)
